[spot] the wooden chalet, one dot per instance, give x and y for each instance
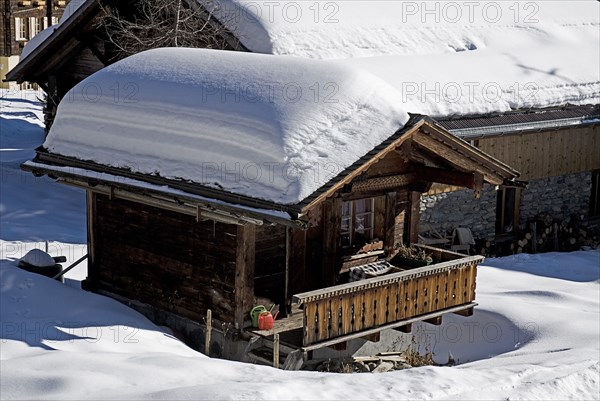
(79, 47)
(21, 21)
(187, 248)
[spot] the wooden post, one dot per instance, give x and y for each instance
(332, 223)
(208, 332)
(533, 229)
(244, 273)
(413, 217)
(276, 351)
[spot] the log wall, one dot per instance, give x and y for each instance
(164, 258)
(269, 279)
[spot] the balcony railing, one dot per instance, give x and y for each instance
(378, 302)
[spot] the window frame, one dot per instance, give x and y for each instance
(21, 29)
(351, 217)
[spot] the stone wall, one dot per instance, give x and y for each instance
(558, 196)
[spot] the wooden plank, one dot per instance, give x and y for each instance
(244, 273)
(444, 176)
(370, 300)
(323, 320)
(348, 314)
(310, 324)
(395, 325)
(334, 307)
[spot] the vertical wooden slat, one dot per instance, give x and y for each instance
(347, 316)
(310, 311)
(334, 306)
(323, 323)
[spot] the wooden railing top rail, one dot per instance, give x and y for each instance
(361, 285)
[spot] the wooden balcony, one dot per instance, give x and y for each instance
(369, 306)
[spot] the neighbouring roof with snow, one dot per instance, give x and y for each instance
(273, 128)
(368, 28)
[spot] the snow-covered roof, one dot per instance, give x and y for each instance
(567, 71)
(273, 128)
(368, 28)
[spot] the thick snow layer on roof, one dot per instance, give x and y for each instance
(275, 128)
(367, 28)
(487, 81)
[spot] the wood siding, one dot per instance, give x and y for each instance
(549, 153)
(165, 259)
(269, 279)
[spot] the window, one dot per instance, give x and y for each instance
(595, 196)
(20, 28)
(357, 222)
(507, 210)
(36, 25)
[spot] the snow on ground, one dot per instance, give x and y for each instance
(275, 128)
(534, 335)
(32, 209)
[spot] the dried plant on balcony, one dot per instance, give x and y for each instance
(412, 252)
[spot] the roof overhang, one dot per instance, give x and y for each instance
(162, 193)
(426, 134)
(52, 51)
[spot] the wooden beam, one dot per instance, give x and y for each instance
(444, 176)
(454, 157)
(436, 321)
(244, 273)
(465, 312)
(373, 337)
(334, 188)
(407, 328)
(384, 183)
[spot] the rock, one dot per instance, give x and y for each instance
(383, 367)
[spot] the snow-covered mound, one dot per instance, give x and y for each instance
(534, 335)
(367, 28)
(276, 128)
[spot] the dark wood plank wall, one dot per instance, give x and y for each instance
(164, 259)
(269, 279)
